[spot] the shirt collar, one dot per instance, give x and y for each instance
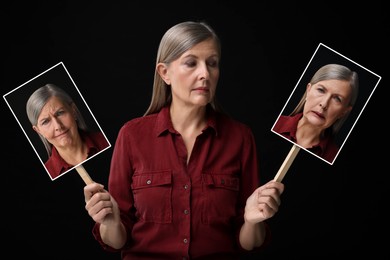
(291, 129)
(59, 165)
(164, 123)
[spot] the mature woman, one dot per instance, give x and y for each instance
(184, 179)
(62, 129)
(314, 123)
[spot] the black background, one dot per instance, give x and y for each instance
(109, 49)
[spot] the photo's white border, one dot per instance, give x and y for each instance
(321, 45)
(27, 136)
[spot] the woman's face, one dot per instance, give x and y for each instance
(57, 123)
(327, 101)
(194, 75)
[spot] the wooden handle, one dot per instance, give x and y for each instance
(84, 174)
(287, 163)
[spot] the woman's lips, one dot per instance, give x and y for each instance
(321, 115)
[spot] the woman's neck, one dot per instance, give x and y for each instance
(307, 135)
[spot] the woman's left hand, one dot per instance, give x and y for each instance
(264, 202)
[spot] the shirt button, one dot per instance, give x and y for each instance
(186, 212)
(185, 186)
(185, 240)
(148, 182)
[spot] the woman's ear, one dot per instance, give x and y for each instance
(162, 70)
(35, 129)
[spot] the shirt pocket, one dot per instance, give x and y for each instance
(220, 195)
(152, 193)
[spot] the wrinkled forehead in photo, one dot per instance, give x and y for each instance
(57, 121)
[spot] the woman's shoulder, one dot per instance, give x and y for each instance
(139, 121)
(286, 121)
(96, 138)
(284, 118)
(139, 124)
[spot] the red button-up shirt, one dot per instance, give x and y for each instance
(95, 142)
(175, 210)
(287, 127)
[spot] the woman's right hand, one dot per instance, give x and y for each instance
(100, 205)
(103, 209)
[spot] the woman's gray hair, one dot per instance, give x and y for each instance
(38, 100)
(177, 40)
(338, 72)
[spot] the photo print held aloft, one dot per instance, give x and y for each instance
(57, 122)
(324, 106)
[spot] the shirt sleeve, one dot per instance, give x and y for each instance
(119, 183)
(250, 181)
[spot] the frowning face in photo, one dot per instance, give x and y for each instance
(326, 101)
(57, 123)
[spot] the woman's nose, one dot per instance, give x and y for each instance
(204, 72)
(57, 124)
